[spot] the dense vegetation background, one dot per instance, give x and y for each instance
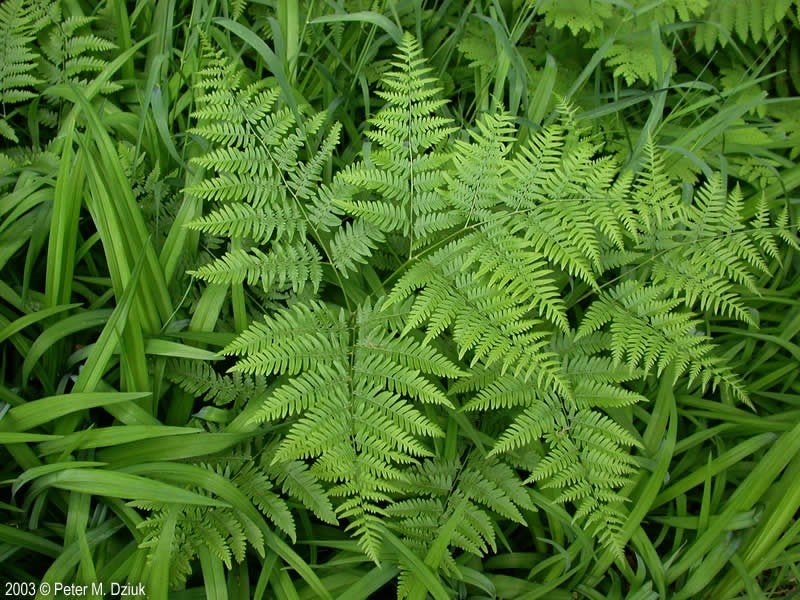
(342, 299)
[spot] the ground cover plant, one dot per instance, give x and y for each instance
(495, 299)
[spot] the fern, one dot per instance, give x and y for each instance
(201, 380)
(648, 332)
(581, 452)
(706, 253)
(223, 531)
(454, 349)
(226, 532)
(489, 241)
(633, 58)
(258, 223)
(637, 55)
(18, 28)
(396, 188)
(71, 53)
(260, 183)
(354, 385)
(237, 8)
(286, 266)
(758, 20)
(458, 500)
(580, 15)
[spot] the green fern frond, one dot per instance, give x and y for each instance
(71, 53)
(579, 15)
(297, 481)
(587, 459)
(200, 379)
(756, 21)
(354, 386)
(398, 183)
(705, 252)
(254, 483)
(583, 453)
(18, 28)
(290, 266)
(633, 57)
(226, 532)
(264, 178)
(541, 416)
(485, 322)
(237, 8)
(571, 207)
(458, 500)
(353, 244)
(649, 332)
(294, 327)
(283, 220)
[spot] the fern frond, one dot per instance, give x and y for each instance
(353, 245)
(297, 481)
(633, 57)
(256, 485)
(485, 322)
(296, 327)
(756, 21)
(706, 252)
(354, 386)
(579, 15)
(290, 266)
(18, 28)
(265, 178)
(398, 184)
(459, 500)
(283, 220)
(71, 53)
(224, 531)
(648, 332)
(542, 416)
(200, 379)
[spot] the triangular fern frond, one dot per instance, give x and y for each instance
(354, 388)
(264, 178)
(648, 332)
(398, 184)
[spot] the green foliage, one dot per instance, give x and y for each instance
(201, 380)
(349, 300)
(260, 183)
(405, 169)
(757, 21)
(451, 505)
(18, 28)
(638, 51)
(355, 386)
(69, 55)
(228, 533)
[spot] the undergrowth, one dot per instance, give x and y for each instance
(494, 299)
